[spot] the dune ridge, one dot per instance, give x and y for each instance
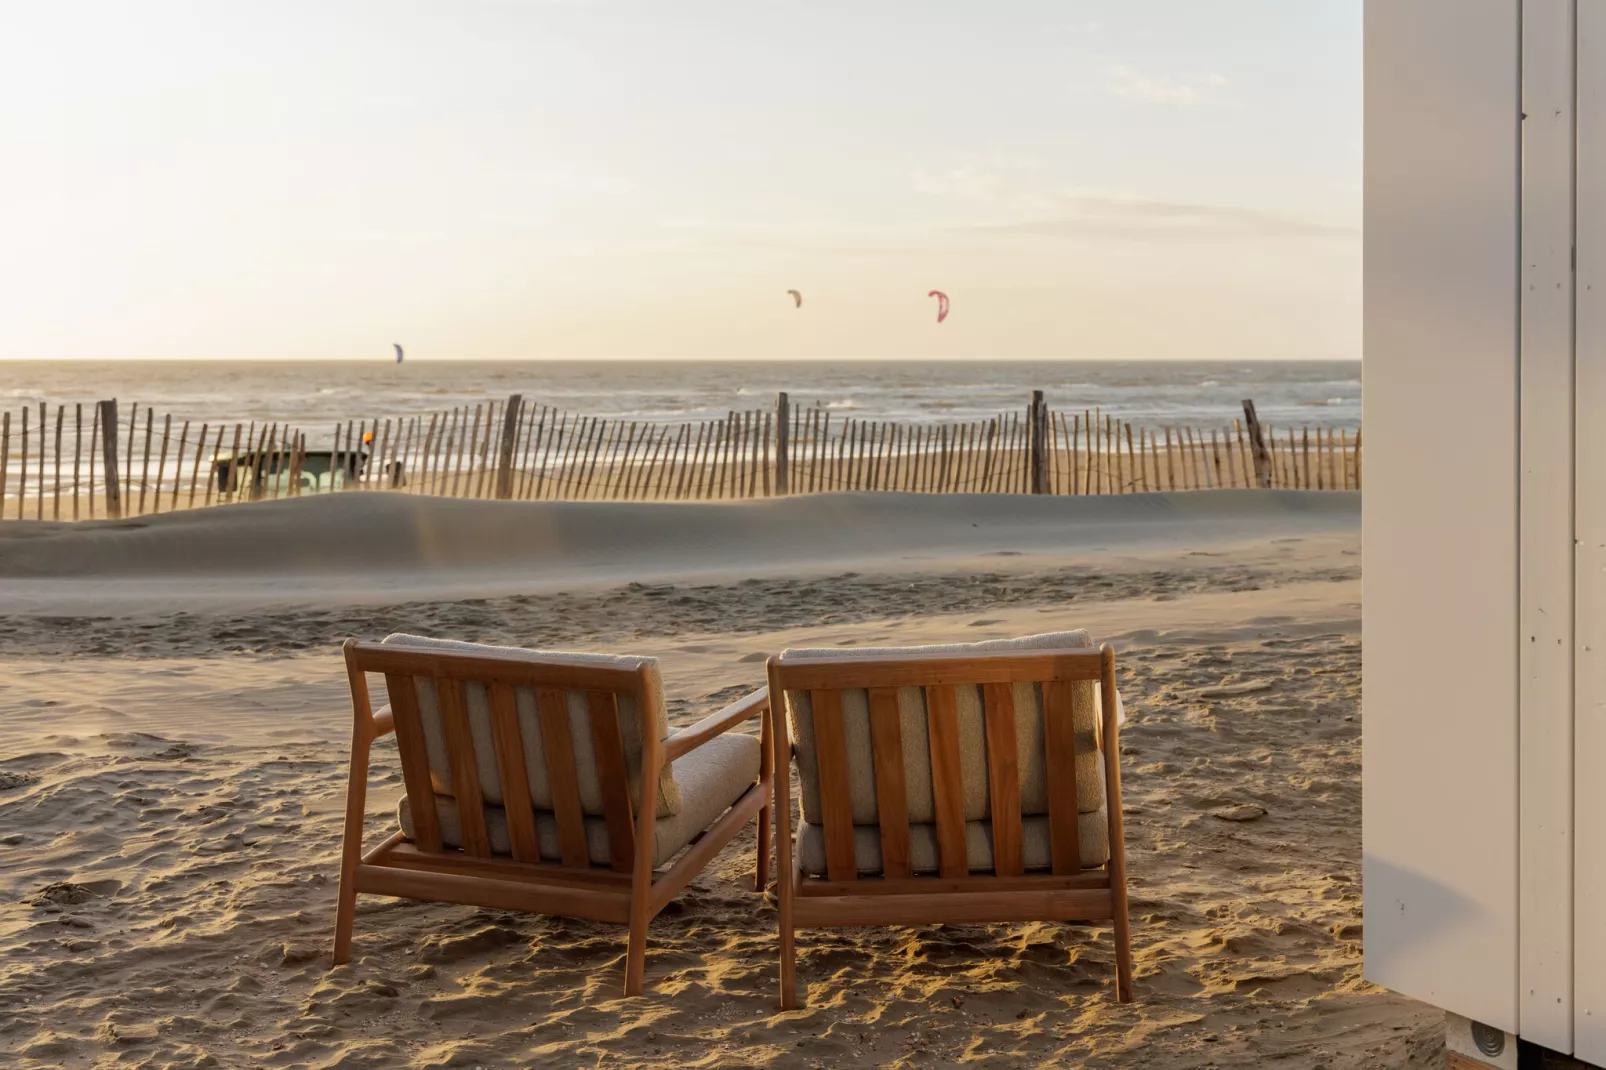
(375, 532)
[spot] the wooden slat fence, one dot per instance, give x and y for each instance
(91, 461)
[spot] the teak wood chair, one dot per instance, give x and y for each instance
(973, 783)
(545, 782)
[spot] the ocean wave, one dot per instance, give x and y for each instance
(690, 392)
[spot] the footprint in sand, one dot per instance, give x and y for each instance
(1240, 813)
(1249, 687)
(67, 893)
(453, 948)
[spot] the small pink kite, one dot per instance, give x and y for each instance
(942, 304)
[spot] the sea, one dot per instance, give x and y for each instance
(1287, 394)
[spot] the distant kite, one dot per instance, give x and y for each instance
(797, 299)
(398, 351)
(942, 304)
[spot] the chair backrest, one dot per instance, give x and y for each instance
(995, 731)
(523, 730)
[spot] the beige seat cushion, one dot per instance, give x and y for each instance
(712, 778)
(1093, 830)
(479, 719)
(972, 735)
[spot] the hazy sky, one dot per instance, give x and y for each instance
(528, 179)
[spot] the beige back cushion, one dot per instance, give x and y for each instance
(479, 719)
(972, 735)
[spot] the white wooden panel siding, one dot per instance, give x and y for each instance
(1545, 858)
(1440, 514)
(1589, 710)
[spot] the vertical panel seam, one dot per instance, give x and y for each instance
(1516, 870)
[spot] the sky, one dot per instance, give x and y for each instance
(570, 179)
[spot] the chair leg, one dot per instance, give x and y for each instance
(641, 884)
(1123, 965)
(1123, 949)
(636, 956)
(345, 917)
(350, 851)
(788, 944)
(761, 865)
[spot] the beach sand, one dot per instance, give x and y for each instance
(172, 770)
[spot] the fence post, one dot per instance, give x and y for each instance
(1257, 444)
(1037, 417)
(783, 443)
(510, 436)
(108, 445)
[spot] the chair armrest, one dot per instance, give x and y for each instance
(743, 709)
(384, 721)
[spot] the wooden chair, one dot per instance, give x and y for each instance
(975, 783)
(545, 782)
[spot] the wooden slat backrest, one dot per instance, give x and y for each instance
(423, 661)
(414, 760)
(892, 799)
(553, 706)
(947, 779)
(447, 674)
(609, 749)
(1003, 778)
(1059, 752)
(465, 767)
(515, 777)
(835, 802)
(1057, 672)
(808, 674)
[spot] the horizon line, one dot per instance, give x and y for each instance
(384, 361)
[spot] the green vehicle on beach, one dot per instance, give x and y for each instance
(275, 473)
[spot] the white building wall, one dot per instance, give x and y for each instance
(1589, 711)
(1545, 539)
(1440, 520)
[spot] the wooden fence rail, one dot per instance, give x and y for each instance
(62, 466)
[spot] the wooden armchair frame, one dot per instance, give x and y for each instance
(1068, 892)
(626, 890)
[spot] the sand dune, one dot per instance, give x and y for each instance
(171, 780)
(357, 547)
(379, 532)
(359, 534)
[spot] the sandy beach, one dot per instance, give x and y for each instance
(172, 771)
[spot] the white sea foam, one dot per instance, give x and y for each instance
(315, 396)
